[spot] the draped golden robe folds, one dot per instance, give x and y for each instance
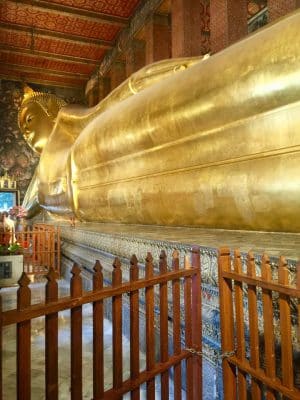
(211, 142)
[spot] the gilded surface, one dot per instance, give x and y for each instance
(211, 142)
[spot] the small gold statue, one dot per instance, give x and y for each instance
(209, 142)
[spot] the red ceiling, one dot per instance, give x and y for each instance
(58, 37)
(53, 40)
(120, 8)
(27, 15)
(42, 62)
(43, 78)
(51, 45)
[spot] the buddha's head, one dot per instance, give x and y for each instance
(37, 116)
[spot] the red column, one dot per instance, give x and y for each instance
(104, 87)
(187, 16)
(117, 74)
(157, 39)
(96, 94)
(135, 56)
(279, 8)
(92, 95)
(228, 22)
(90, 98)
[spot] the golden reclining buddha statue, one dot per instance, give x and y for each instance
(210, 142)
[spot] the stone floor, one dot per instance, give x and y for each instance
(37, 342)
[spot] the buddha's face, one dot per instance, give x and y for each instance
(35, 125)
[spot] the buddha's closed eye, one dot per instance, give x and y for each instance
(29, 118)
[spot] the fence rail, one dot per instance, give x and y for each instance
(256, 367)
(189, 311)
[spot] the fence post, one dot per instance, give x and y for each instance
(240, 331)
(266, 275)
(163, 316)
(117, 327)
(58, 258)
(23, 342)
(76, 336)
(197, 323)
(298, 287)
(98, 353)
(1, 348)
(285, 327)
(188, 328)
(51, 340)
(176, 326)
(227, 327)
(134, 328)
(150, 334)
(253, 325)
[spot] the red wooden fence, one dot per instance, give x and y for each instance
(240, 293)
(189, 277)
(40, 248)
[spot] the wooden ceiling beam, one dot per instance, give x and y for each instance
(76, 11)
(57, 35)
(47, 55)
(61, 74)
(44, 82)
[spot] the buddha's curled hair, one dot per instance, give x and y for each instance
(50, 103)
